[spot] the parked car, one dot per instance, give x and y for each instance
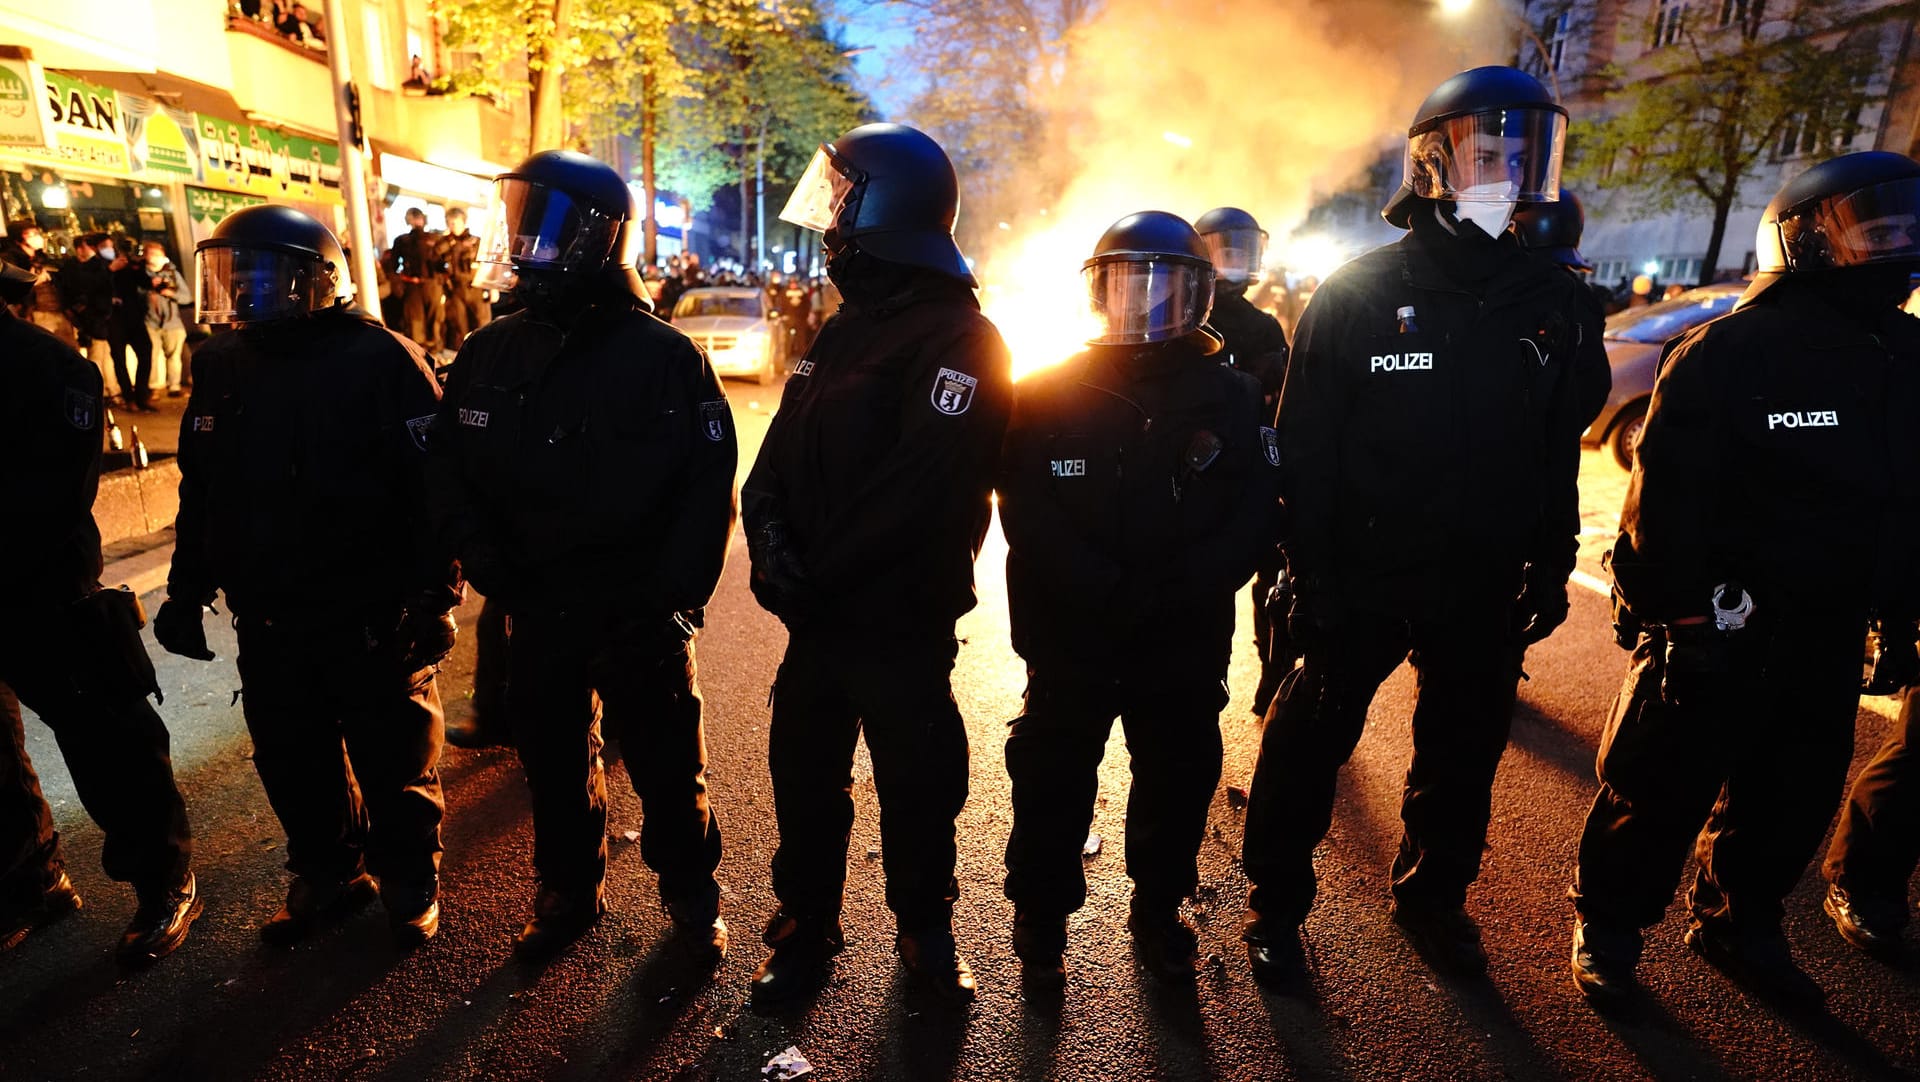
(1635, 339)
(743, 337)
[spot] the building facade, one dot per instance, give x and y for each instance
(1594, 46)
(157, 118)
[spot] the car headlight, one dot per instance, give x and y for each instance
(750, 342)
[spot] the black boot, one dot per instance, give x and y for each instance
(1166, 944)
(559, 918)
(699, 929)
(1755, 957)
(1603, 961)
(55, 900)
(932, 957)
(314, 903)
(413, 910)
(1275, 954)
(802, 947)
(1445, 936)
(160, 923)
(1041, 945)
(1868, 923)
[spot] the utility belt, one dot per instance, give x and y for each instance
(111, 660)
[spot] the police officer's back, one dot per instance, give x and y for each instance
(71, 652)
(583, 473)
(302, 498)
(1138, 491)
(1771, 511)
(864, 511)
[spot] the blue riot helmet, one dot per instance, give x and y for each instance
(268, 263)
(1150, 279)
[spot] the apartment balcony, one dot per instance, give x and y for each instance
(277, 81)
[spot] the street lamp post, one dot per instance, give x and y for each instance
(353, 166)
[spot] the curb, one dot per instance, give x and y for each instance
(142, 572)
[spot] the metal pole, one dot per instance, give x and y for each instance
(760, 201)
(353, 167)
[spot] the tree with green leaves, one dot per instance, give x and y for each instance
(1710, 104)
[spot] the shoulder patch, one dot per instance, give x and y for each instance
(1270, 443)
(803, 367)
(713, 419)
(953, 391)
(82, 408)
(419, 428)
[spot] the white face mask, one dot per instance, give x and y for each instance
(1471, 205)
(36, 242)
(106, 252)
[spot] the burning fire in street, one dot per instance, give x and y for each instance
(1159, 107)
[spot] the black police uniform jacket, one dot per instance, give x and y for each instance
(50, 440)
(1139, 489)
(586, 467)
(302, 458)
(1256, 343)
(1427, 471)
(880, 460)
(1780, 454)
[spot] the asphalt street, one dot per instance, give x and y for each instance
(348, 1006)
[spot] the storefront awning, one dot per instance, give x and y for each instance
(434, 181)
(90, 35)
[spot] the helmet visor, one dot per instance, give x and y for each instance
(1494, 157)
(1140, 301)
(822, 191)
(1880, 224)
(533, 225)
(254, 285)
(1237, 253)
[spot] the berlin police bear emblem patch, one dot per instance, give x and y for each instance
(81, 406)
(953, 391)
(1270, 442)
(713, 416)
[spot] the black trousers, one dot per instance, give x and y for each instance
(466, 311)
(491, 643)
(1760, 765)
(122, 334)
(1877, 845)
(420, 307)
(117, 751)
(896, 687)
(1054, 750)
(1263, 581)
(347, 743)
(561, 668)
(1468, 670)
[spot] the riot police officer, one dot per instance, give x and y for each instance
(1550, 232)
(302, 498)
(415, 268)
(1876, 847)
(71, 652)
(466, 309)
(1429, 442)
(1256, 345)
(1771, 510)
(583, 467)
(864, 511)
(1121, 585)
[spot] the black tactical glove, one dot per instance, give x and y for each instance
(779, 578)
(1308, 623)
(1282, 650)
(178, 628)
(1697, 661)
(1896, 661)
(427, 637)
(1540, 608)
(488, 573)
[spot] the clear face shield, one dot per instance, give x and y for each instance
(822, 193)
(1140, 301)
(257, 285)
(1237, 254)
(1485, 162)
(534, 227)
(1880, 224)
